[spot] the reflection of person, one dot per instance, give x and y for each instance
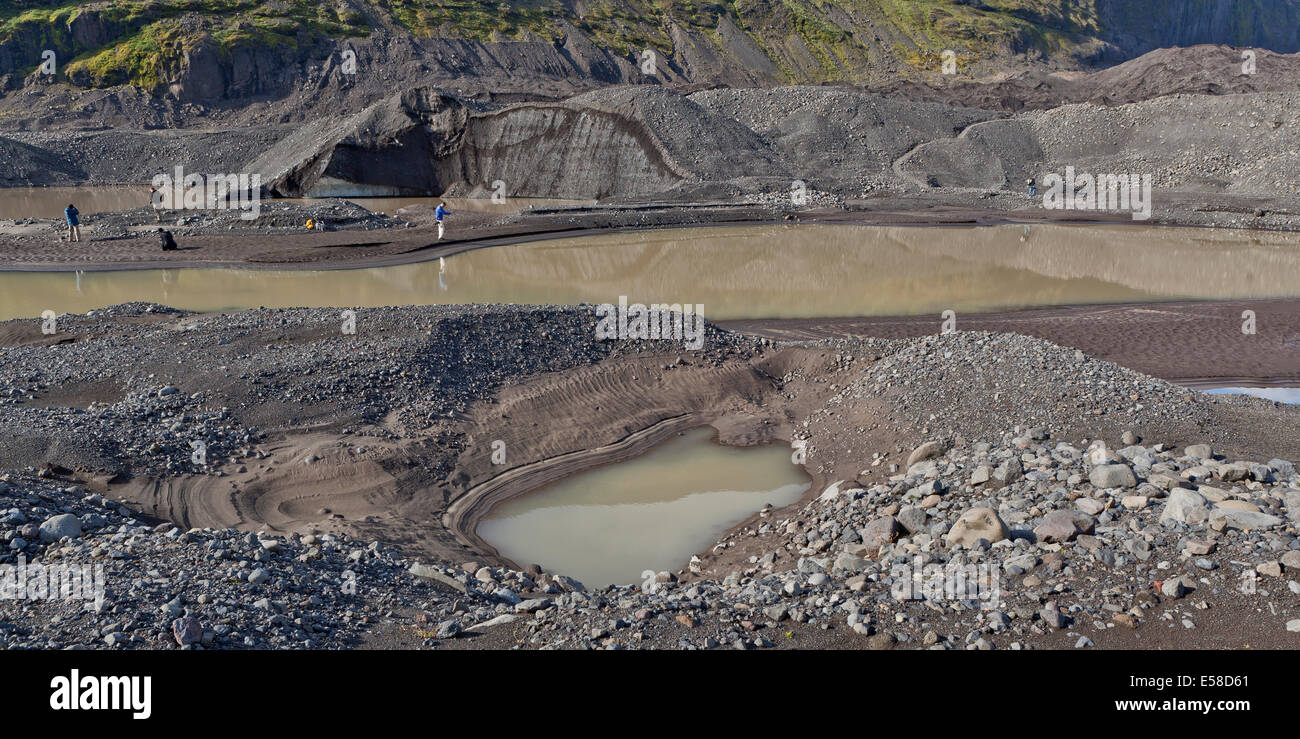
(70, 214)
(442, 270)
(440, 213)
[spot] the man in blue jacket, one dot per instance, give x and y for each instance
(70, 213)
(439, 214)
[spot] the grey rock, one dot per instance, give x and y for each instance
(187, 630)
(913, 519)
(1185, 506)
(1244, 520)
(1062, 526)
(1112, 476)
(57, 527)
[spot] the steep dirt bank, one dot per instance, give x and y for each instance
(650, 143)
(289, 63)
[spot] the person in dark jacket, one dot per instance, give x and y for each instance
(70, 214)
(166, 241)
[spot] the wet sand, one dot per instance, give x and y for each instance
(1197, 343)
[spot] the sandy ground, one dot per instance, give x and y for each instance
(382, 247)
(1191, 342)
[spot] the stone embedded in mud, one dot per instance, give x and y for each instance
(1176, 587)
(449, 629)
(926, 451)
(1199, 451)
(976, 524)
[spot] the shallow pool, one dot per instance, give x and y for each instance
(1288, 395)
(611, 524)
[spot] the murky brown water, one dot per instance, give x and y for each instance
(744, 272)
(611, 524)
(48, 202)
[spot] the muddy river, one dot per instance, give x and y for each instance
(743, 272)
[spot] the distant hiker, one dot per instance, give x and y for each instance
(166, 241)
(311, 224)
(155, 201)
(74, 226)
(439, 214)
(1032, 189)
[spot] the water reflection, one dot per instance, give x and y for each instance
(744, 272)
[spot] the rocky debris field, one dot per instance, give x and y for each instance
(974, 383)
(985, 545)
(165, 587)
(1001, 544)
(136, 386)
(651, 142)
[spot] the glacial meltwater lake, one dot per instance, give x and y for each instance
(739, 272)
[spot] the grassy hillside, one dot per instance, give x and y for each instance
(137, 41)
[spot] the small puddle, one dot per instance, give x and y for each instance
(608, 525)
(1288, 395)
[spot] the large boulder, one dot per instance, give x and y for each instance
(1221, 518)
